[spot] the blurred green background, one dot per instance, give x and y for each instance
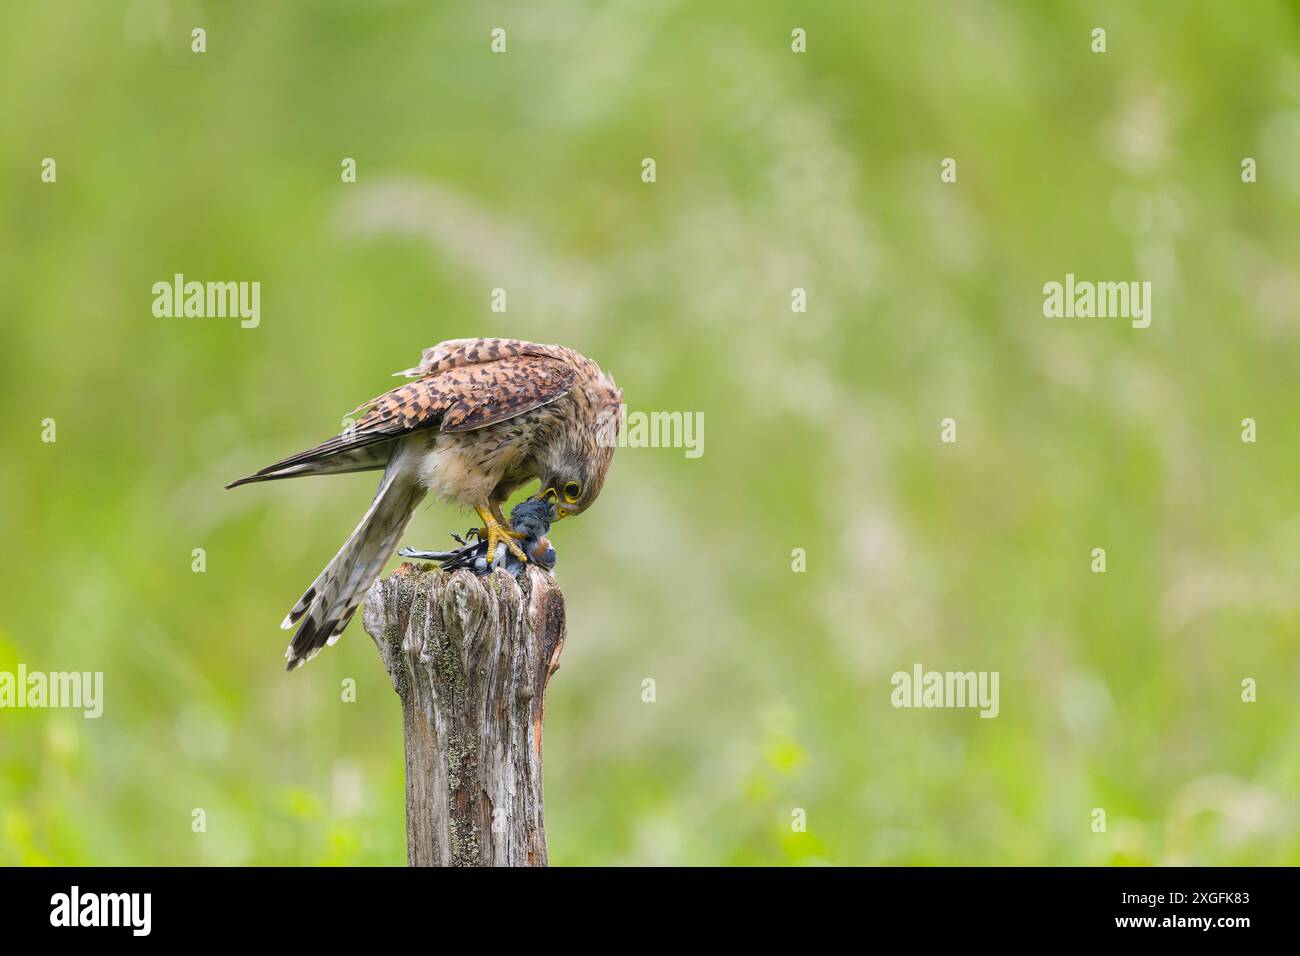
(776, 170)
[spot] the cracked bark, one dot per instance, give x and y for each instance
(470, 658)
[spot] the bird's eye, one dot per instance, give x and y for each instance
(571, 490)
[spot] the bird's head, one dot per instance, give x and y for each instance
(576, 466)
(574, 480)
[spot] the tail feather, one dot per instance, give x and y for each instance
(328, 605)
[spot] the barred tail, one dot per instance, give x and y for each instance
(328, 605)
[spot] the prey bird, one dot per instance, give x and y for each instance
(481, 418)
(531, 519)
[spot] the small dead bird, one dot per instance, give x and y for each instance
(531, 521)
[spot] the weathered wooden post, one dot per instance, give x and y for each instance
(470, 657)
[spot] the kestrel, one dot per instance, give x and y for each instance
(482, 418)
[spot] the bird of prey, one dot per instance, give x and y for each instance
(481, 418)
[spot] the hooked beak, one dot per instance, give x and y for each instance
(552, 498)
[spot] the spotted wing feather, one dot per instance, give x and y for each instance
(456, 353)
(457, 399)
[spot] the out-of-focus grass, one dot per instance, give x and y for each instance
(775, 171)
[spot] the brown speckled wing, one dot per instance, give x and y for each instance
(478, 391)
(495, 391)
(468, 396)
(456, 353)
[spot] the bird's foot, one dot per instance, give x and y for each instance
(494, 532)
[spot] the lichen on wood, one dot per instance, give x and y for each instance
(470, 657)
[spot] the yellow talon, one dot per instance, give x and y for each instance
(495, 532)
